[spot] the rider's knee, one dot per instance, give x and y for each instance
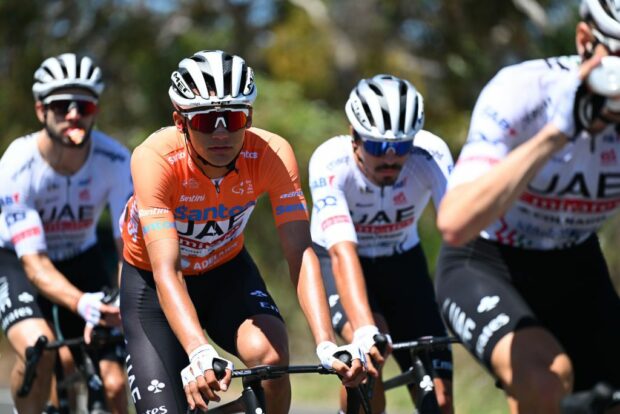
(270, 355)
(563, 368)
(114, 384)
(544, 389)
(257, 350)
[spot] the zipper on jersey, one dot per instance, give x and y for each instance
(374, 235)
(218, 182)
(68, 192)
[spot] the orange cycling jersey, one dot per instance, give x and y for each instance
(174, 199)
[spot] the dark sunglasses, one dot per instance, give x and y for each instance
(379, 148)
(208, 121)
(61, 105)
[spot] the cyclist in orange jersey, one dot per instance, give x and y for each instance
(186, 268)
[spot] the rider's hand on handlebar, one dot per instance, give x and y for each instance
(350, 376)
(364, 338)
(95, 312)
(199, 380)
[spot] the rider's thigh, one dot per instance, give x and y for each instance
(262, 340)
(531, 361)
(26, 332)
(21, 335)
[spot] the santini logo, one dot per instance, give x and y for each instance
(249, 154)
(194, 198)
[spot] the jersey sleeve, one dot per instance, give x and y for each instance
(280, 178)
(120, 191)
(491, 134)
(440, 166)
(153, 187)
(330, 209)
(21, 219)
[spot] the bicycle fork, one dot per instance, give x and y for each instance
(253, 396)
(424, 388)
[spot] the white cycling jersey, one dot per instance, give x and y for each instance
(382, 220)
(44, 211)
(574, 193)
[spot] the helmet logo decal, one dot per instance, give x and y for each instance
(178, 81)
(249, 83)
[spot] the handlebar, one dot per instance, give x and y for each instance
(266, 372)
(110, 295)
(100, 338)
(425, 343)
(381, 342)
(592, 401)
(33, 354)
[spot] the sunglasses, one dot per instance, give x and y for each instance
(61, 105)
(379, 148)
(208, 121)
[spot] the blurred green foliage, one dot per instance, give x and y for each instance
(307, 54)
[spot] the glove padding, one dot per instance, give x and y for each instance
(563, 94)
(326, 351)
(364, 337)
(88, 307)
(200, 360)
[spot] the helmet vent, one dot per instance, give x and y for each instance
(375, 89)
(227, 70)
(403, 109)
(371, 120)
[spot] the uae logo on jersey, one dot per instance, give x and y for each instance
(400, 199)
(609, 157)
(85, 195)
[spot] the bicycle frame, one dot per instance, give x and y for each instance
(420, 374)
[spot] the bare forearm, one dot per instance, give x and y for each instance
(311, 294)
(179, 310)
(350, 283)
(305, 274)
(50, 282)
(469, 208)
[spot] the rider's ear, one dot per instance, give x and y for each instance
(584, 39)
(179, 122)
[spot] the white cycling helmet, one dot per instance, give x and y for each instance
(385, 108)
(212, 78)
(605, 14)
(67, 71)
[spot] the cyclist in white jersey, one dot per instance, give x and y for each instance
(55, 184)
(521, 279)
(369, 190)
